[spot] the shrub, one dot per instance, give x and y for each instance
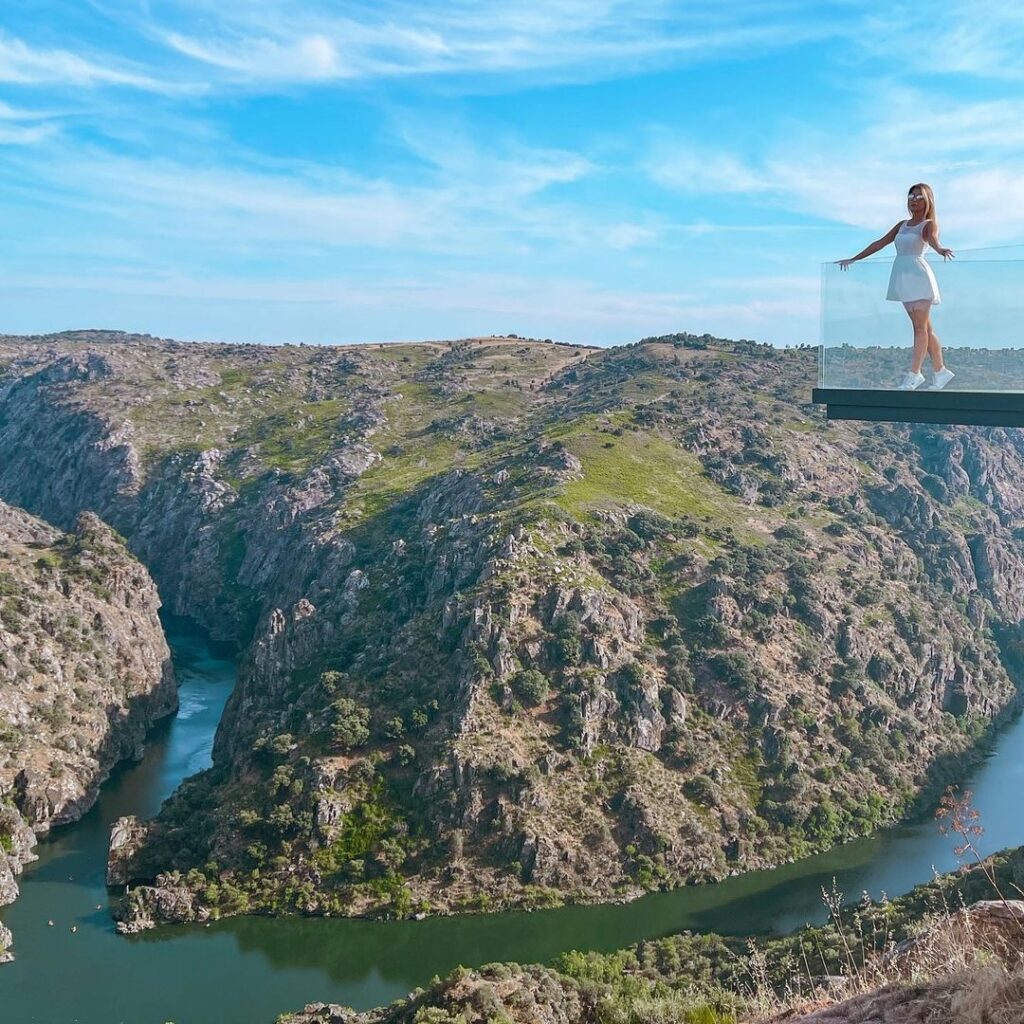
(847, 677)
(282, 744)
(735, 669)
(702, 790)
(568, 646)
(869, 594)
(530, 686)
(332, 681)
(709, 632)
(351, 725)
(634, 673)
(393, 728)
(650, 525)
(790, 532)
(677, 669)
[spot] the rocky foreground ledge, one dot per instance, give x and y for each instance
(84, 671)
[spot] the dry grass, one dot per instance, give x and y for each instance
(965, 966)
(986, 994)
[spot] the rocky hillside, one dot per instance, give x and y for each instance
(524, 622)
(84, 670)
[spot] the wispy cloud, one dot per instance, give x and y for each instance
(310, 58)
(479, 199)
(698, 169)
(274, 42)
(25, 135)
(980, 38)
(20, 127)
(22, 64)
(9, 113)
(233, 208)
(856, 171)
(504, 165)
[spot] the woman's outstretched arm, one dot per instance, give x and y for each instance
(931, 236)
(880, 243)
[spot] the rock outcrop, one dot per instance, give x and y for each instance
(126, 837)
(168, 902)
(518, 995)
(84, 672)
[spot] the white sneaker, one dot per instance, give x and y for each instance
(940, 379)
(911, 382)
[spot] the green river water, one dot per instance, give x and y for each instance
(246, 971)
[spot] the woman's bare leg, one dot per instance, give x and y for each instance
(934, 348)
(919, 318)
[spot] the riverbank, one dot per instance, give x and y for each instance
(279, 965)
(925, 946)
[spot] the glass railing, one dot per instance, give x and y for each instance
(867, 341)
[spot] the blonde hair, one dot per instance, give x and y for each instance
(929, 198)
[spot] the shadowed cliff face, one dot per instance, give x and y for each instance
(84, 670)
(525, 622)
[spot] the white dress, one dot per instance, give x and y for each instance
(911, 279)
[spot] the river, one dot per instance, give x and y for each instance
(247, 970)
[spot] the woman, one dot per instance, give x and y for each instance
(913, 283)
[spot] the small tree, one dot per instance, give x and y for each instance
(530, 686)
(569, 643)
(351, 725)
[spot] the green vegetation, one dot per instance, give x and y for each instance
(530, 686)
(351, 723)
(297, 435)
(364, 828)
(636, 467)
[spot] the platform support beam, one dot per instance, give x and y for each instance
(951, 408)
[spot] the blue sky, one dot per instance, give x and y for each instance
(585, 170)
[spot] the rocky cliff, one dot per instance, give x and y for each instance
(524, 623)
(84, 670)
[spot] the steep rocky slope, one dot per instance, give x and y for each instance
(524, 622)
(84, 670)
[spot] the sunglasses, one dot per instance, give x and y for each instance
(913, 197)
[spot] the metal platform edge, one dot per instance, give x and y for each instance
(952, 408)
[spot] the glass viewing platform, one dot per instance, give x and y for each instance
(867, 342)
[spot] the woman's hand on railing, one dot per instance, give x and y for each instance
(946, 254)
(845, 264)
